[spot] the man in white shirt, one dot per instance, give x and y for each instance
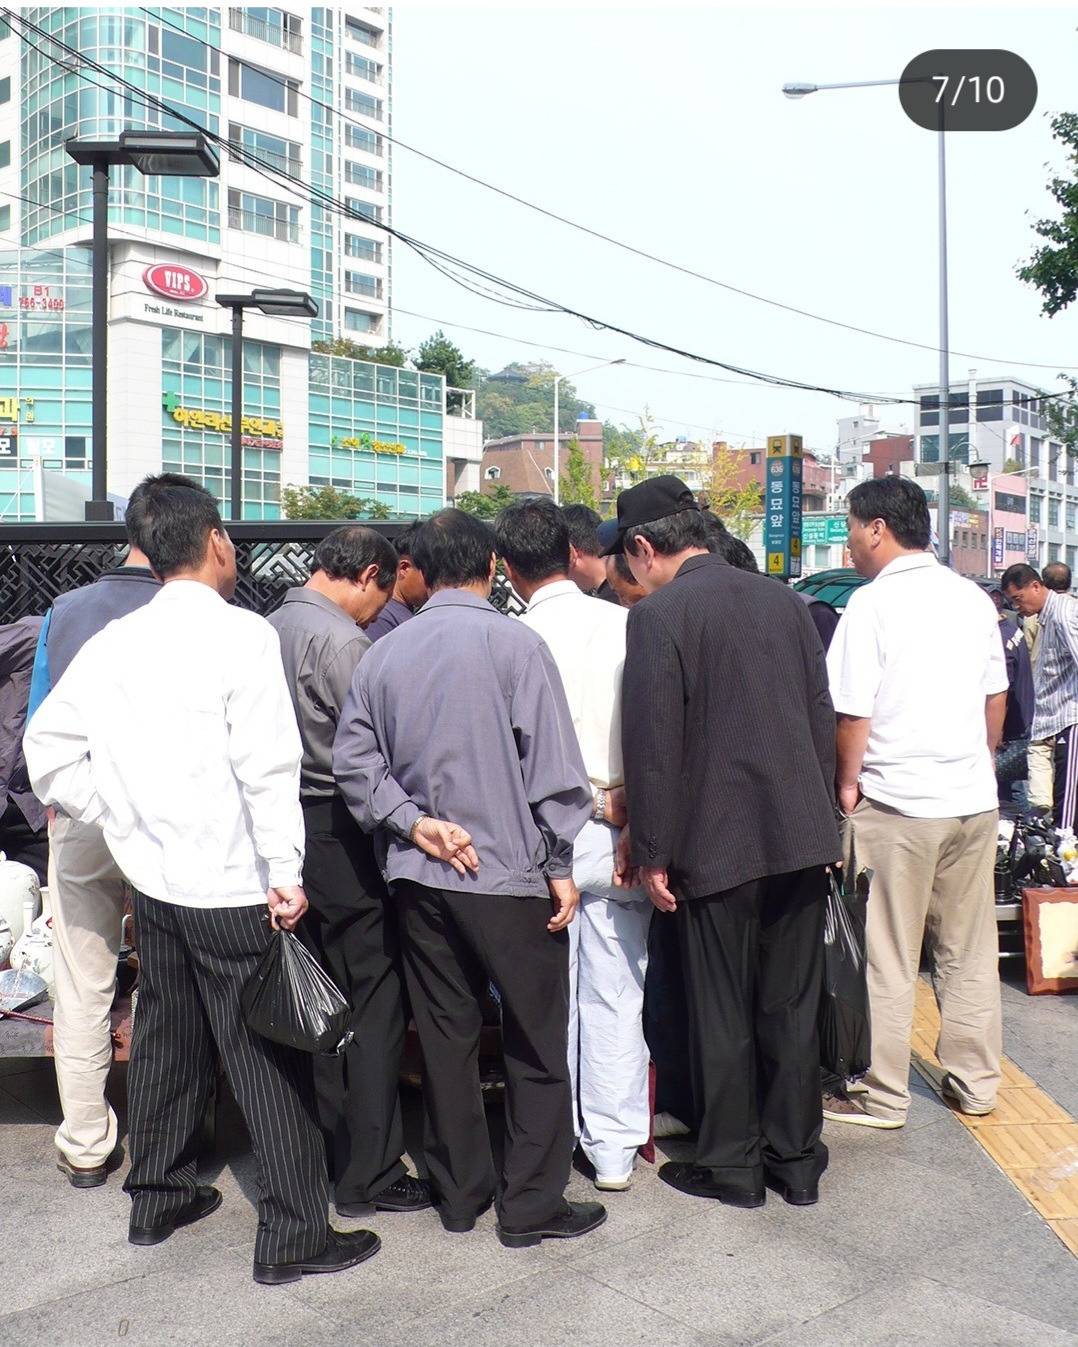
(608, 1058)
(172, 731)
(920, 712)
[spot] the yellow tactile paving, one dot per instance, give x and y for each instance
(1032, 1139)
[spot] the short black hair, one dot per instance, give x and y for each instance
(900, 503)
(583, 525)
(453, 548)
(170, 518)
(1057, 575)
(403, 541)
(533, 537)
(672, 534)
(623, 569)
(723, 543)
(1018, 576)
(346, 553)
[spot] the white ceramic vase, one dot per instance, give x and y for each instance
(18, 886)
(33, 951)
(7, 941)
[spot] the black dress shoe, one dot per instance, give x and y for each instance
(806, 1195)
(697, 1182)
(341, 1251)
(89, 1176)
(205, 1201)
(460, 1225)
(405, 1194)
(576, 1218)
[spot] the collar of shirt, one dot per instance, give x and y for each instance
(304, 595)
(183, 591)
(456, 598)
(699, 559)
(1051, 603)
(909, 561)
(558, 589)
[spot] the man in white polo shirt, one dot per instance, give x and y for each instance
(608, 1058)
(919, 684)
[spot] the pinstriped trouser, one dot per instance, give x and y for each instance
(193, 964)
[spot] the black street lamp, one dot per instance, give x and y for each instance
(280, 303)
(174, 154)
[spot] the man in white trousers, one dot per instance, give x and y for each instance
(608, 1058)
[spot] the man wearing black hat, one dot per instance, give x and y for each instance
(729, 772)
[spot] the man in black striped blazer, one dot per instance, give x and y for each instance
(729, 770)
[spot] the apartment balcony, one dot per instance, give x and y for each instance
(285, 34)
(252, 222)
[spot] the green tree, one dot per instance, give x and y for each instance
(960, 498)
(1053, 268)
(439, 355)
(576, 486)
(519, 400)
(390, 354)
(731, 493)
(630, 453)
(483, 506)
(328, 502)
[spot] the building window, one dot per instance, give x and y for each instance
(363, 67)
(275, 26)
(1072, 510)
(362, 176)
(259, 215)
(362, 32)
(1035, 502)
(282, 154)
(363, 209)
(493, 473)
(5, 153)
(359, 138)
(1053, 513)
(5, 217)
(5, 89)
(754, 458)
(358, 320)
(1053, 551)
(263, 87)
(364, 104)
(354, 246)
(359, 283)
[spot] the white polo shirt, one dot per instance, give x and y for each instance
(917, 652)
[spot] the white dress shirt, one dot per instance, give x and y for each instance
(586, 636)
(917, 652)
(173, 731)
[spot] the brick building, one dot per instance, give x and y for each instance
(525, 463)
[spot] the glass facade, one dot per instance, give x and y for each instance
(44, 371)
(322, 170)
(356, 406)
(58, 103)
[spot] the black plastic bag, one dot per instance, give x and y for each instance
(291, 999)
(845, 1031)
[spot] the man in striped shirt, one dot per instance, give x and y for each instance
(1056, 680)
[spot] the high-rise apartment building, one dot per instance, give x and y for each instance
(305, 96)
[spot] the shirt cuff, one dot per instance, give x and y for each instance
(559, 868)
(285, 874)
(403, 817)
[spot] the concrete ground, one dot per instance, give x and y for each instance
(919, 1241)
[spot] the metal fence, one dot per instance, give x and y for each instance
(38, 562)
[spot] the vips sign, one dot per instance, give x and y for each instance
(174, 281)
(782, 505)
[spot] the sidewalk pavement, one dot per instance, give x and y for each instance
(919, 1241)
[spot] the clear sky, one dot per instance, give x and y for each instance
(665, 126)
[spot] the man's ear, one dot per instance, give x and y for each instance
(368, 576)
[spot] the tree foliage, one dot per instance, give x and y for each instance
(731, 494)
(439, 355)
(519, 400)
(390, 354)
(577, 486)
(1053, 268)
(328, 502)
(629, 454)
(960, 498)
(485, 506)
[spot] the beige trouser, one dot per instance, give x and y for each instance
(86, 890)
(931, 880)
(1041, 772)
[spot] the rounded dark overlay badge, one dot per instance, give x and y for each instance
(968, 89)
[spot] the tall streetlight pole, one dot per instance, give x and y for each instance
(944, 520)
(284, 304)
(557, 443)
(174, 154)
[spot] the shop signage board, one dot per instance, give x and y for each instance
(174, 281)
(818, 530)
(997, 547)
(782, 505)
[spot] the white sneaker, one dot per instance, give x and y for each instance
(841, 1108)
(666, 1125)
(950, 1090)
(611, 1184)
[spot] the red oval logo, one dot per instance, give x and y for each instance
(174, 281)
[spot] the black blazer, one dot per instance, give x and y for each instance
(728, 731)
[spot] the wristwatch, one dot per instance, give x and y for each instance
(599, 812)
(412, 830)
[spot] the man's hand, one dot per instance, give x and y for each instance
(626, 875)
(615, 813)
(849, 797)
(286, 906)
(566, 901)
(657, 887)
(446, 841)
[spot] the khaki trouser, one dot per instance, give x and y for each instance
(87, 896)
(1041, 772)
(932, 880)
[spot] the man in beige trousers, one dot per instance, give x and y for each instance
(919, 684)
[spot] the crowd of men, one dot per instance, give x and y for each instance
(614, 814)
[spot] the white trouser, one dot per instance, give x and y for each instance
(608, 1058)
(87, 896)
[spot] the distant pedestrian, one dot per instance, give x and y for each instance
(915, 776)
(1057, 577)
(352, 921)
(172, 731)
(409, 588)
(587, 570)
(457, 741)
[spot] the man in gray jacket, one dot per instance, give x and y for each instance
(484, 738)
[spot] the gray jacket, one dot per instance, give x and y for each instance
(460, 714)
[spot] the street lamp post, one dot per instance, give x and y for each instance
(281, 303)
(944, 520)
(173, 154)
(557, 443)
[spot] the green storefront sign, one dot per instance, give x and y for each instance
(817, 530)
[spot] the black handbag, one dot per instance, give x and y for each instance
(844, 1023)
(291, 999)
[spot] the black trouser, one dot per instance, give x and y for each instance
(193, 963)
(753, 968)
(454, 943)
(20, 842)
(666, 1018)
(352, 928)
(1065, 778)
